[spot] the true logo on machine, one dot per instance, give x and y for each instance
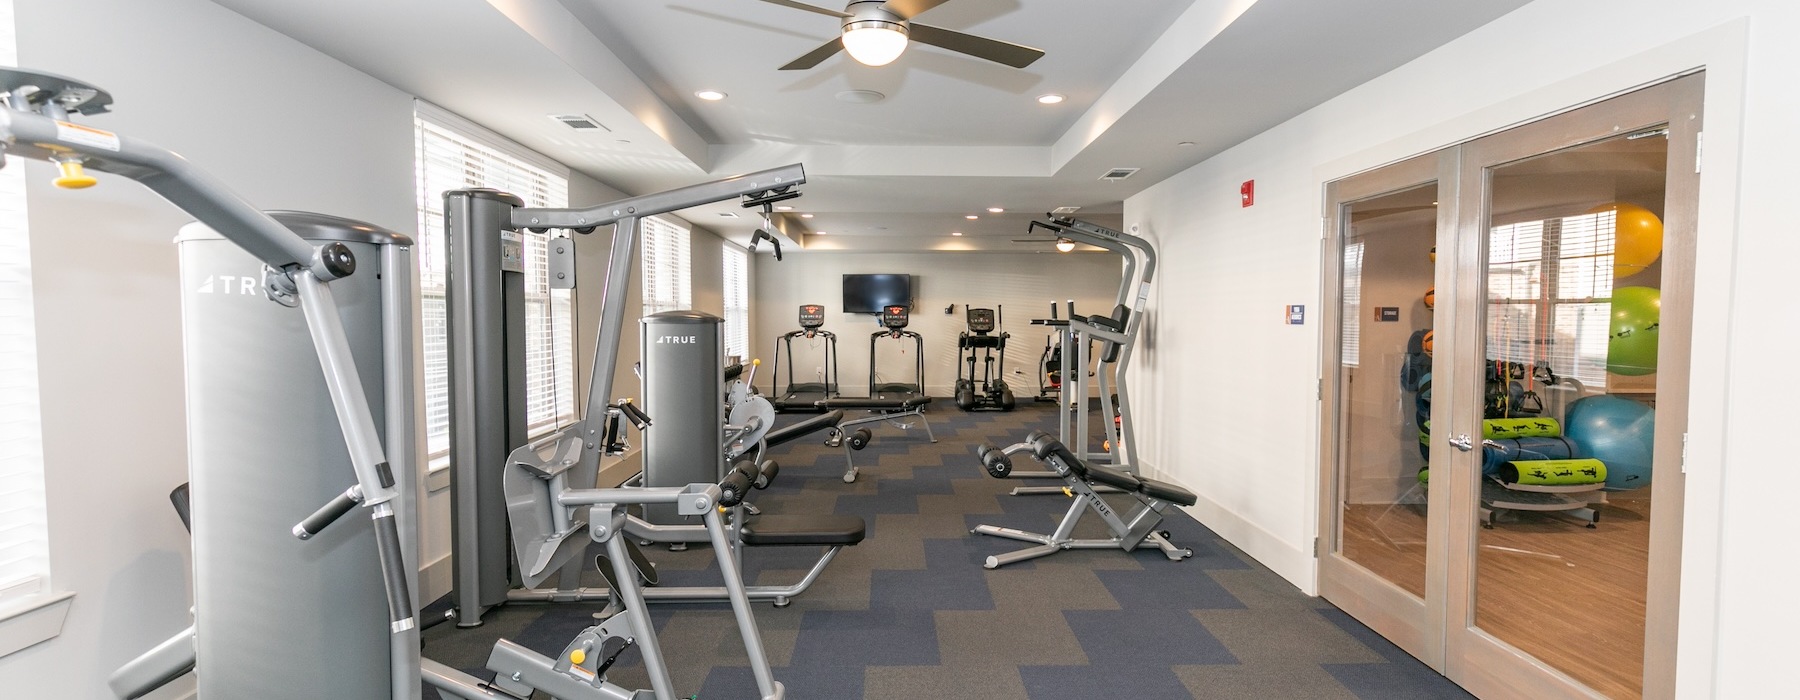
(677, 339)
(227, 284)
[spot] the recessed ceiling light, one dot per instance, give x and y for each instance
(806, 216)
(955, 233)
(995, 210)
(1050, 99)
(709, 95)
(784, 207)
(819, 233)
(972, 217)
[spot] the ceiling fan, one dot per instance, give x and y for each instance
(877, 32)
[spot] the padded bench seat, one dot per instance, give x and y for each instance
(803, 428)
(1046, 447)
(905, 404)
(803, 530)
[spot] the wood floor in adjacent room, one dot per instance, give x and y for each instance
(1571, 596)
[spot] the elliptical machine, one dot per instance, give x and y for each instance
(806, 396)
(991, 392)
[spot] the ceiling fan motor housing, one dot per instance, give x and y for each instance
(872, 14)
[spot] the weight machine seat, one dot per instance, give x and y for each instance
(803, 428)
(800, 530)
(906, 404)
(1047, 447)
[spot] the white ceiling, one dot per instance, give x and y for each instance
(955, 134)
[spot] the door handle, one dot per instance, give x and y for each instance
(1462, 442)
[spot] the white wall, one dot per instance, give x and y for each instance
(287, 128)
(1232, 268)
(1024, 283)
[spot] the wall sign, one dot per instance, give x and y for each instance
(1387, 314)
(1296, 314)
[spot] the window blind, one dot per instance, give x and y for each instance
(737, 302)
(453, 154)
(1351, 318)
(1550, 292)
(24, 522)
(667, 286)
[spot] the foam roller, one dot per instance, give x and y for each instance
(996, 462)
(765, 473)
(1554, 472)
(1507, 428)
(733, 488)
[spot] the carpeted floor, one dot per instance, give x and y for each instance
(911, 613)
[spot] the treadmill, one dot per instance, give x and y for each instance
(798, 397)
(893, 325)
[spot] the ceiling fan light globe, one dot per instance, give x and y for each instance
(874, 42)
(1064, 245)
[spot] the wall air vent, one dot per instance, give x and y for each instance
(1063, 211)
(1119, 173)
(580, 122)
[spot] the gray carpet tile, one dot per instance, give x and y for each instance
(910, 612)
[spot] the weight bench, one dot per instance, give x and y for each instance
(886, 409)
(1133, 530)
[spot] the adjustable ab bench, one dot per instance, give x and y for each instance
(1132, 531)
(886, 410)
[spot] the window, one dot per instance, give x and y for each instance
(737, 302)
(24, 523)
(667, 286)
(1570, 307)
(452, 153)
(1351, 318)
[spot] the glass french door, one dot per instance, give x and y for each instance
(1544, 400)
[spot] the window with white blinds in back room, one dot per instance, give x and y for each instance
(1550, 294)
(24, 523)
(454, 154)
(666, 273)
(737, 302)
(1351, 316)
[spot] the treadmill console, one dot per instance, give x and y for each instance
(981, 321)
(894, 317)
(812, 317)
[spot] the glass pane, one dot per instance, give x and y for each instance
(1573, 272)
(1385, 382)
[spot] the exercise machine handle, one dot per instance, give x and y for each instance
(762, 235)
(329, 513)
(638, 418)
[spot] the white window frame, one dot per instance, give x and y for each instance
(30, 610)
(1529, 297)
(667, 269)
(550, 349)
(736, 283)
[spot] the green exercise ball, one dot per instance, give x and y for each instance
(1631, 342)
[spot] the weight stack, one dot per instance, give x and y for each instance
(277, 617)
(684, 394)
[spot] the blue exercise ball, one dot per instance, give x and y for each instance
(1617, 431)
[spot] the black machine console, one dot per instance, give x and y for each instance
(895, 318)
(812, 318)
(981, 321)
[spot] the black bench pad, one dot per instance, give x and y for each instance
(802, 530)
(1165, 491)
(878, 404)
(803, 428)
(1116, 478)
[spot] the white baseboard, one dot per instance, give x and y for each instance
(1295, 564)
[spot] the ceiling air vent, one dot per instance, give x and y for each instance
(1063, 211)
(1119, 173)
(728, 215)
(580, 122)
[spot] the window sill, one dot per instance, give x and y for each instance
(437, 479)
(33, 620)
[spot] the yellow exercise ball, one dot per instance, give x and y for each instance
(1431, 298)
(1637, 237)
(1434, 254)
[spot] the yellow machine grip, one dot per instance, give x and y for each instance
(74, 176)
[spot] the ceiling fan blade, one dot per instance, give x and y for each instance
(809, 8)
(908, 9)
(1003, 52)
(816, 56)
(1034, 240)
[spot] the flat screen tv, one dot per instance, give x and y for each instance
(866, 294)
